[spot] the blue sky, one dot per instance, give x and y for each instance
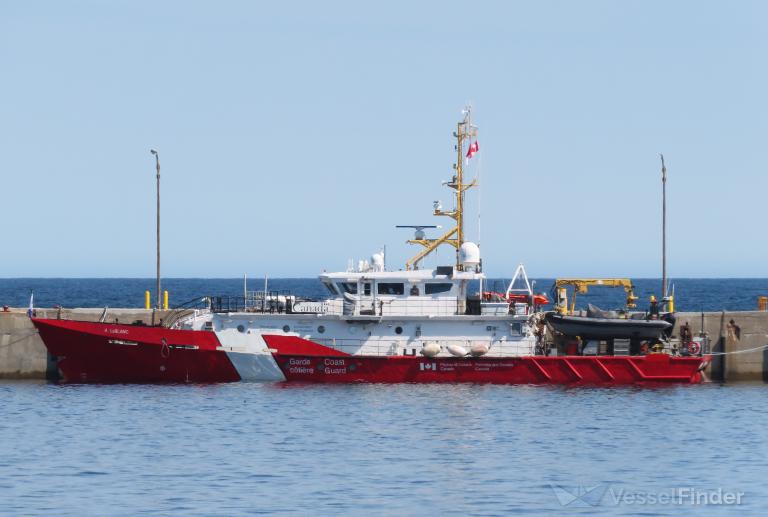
(295, 135)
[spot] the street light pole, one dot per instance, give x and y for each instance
(663, 228)
(157, 164)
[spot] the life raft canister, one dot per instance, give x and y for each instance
(693, 347)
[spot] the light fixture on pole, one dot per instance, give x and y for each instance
(157, 163)
(663, 228)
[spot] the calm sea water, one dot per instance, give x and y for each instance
(691, 294)
(241, 449)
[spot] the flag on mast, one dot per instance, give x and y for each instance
(474, 147)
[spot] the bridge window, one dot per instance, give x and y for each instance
(437, 288)
(391, 288)
(347, 287)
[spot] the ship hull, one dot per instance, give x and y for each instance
(88, 352)
(304, 361)
(604, 370)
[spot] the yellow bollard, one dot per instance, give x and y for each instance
(165, 300)
(146, 300)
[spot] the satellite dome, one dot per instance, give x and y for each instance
(377, 261)
(469, 254)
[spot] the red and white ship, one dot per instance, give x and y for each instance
(414, 325)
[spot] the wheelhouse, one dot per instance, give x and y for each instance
(421, 292)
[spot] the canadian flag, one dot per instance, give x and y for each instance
(473, 148)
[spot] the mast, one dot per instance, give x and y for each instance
(459, 181)
(454, 236)
(663, 228)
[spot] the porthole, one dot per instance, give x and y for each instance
(398, 330)
(321, 329)
(240, 328)
(286, 328)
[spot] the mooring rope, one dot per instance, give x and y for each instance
(761, 347)
(22, 338)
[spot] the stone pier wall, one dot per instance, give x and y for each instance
(743, 332)
(23, 355)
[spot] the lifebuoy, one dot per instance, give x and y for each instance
(693, 347)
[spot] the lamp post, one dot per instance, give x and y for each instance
(663, 228)
(157, 164)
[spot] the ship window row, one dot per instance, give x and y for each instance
(437, 288)
(388, 288)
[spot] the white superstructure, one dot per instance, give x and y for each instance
(372, 311)
(386, 313)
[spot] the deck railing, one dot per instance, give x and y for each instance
(408, 306)
(389, 346)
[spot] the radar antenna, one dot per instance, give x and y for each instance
(418, 233)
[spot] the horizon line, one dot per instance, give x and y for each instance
(316, 278)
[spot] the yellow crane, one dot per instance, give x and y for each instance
(582, 285)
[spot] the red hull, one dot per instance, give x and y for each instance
(315, 364)
(106, 352)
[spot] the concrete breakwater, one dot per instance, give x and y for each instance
(742, 336)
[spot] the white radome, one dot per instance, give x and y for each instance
(377, 261)
(470, 255)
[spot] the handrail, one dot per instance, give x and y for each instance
(389, 346)
(181, 311)
(274, 302)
